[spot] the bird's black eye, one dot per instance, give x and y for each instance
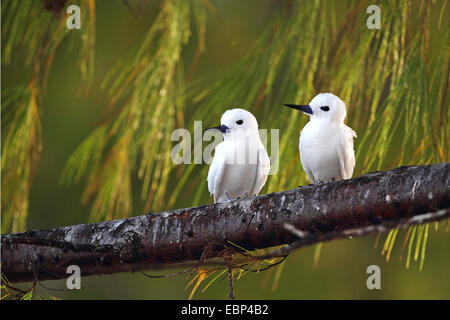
(239, 122)
(325, 108)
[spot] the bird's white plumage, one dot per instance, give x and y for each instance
(240, 165)
(326, 143)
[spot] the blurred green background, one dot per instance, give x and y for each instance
(69, 115)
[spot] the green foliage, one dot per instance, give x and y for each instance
(10, 292)
(394, 89)
(243, 262)
(144, 88)
(395, 82)
(20, 153)
(21, 138)
(29, 29)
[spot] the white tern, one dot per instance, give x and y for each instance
(326, 143)
(240, 165)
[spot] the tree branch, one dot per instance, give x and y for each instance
(372, 203)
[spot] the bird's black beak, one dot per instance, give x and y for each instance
(222, 128)
(304, 108)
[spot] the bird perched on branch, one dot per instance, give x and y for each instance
(326, 143)
(240, 165)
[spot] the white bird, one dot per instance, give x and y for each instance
(326, 143)
(240, 165)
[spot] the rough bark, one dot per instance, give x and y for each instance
(364, 205)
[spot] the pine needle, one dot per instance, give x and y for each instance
(317, 250)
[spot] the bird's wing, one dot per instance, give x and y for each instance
(346, 152)
(305, 167)
(304, 163)
(217, 171)
(262, 170)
